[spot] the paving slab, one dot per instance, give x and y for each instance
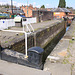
(58, 68)
(65, 51)
(7, 68)
(73, 73)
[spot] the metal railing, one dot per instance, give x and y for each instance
(29, 32)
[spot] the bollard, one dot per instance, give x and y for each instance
(35, 57)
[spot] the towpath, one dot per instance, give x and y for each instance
(61, 60)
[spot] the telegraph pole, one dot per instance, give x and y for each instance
(27, 8)
(12, 7)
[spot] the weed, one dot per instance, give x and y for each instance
(65, 61)
(6, 41)
(70, 41)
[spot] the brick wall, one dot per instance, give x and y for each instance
(59, 14)
(42, 15)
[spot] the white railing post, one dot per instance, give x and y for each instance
(25, 38)
(25, 33)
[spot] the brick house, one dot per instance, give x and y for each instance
(42, 14)
(71, 15)
(59, 13)
(28, 10)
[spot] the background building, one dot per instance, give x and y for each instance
(42, 15)
(59, 13)
(28, 10)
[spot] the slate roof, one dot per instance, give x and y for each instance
(60, 10)
(18, 11)
(15, 10)
(41, 9)
(3, 9)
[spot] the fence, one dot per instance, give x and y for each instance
(29, 20)
(5, 23)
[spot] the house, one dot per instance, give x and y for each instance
(28, 10)
(72, 10)
(59, 13)
(4, 13)
(71, 15)
(16, 11)
(4, 10)
(42, 14)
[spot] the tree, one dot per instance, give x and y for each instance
(7, 6)
(42, 6)
(69, 7)
(62, 4)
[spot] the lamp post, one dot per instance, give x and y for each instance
(12, 8)
(27, 8)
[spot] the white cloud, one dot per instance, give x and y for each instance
(20, 4)
(5, 2)
(47, 5)
(34, 4)
(38, 6)
(15, 3)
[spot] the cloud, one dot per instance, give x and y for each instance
(15, 3)
(5, 2)
(2, 3)
(34, 4)
(20, 4)
(38, 6)
(47, 5)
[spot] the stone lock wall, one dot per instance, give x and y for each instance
(39, 38)
(44, 36)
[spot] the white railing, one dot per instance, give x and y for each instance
(26, 55)
(30, 20)
(5, 23)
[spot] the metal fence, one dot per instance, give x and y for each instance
(5, 23)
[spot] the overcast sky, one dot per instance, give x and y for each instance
(38, 3)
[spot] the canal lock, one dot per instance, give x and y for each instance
(47, 51)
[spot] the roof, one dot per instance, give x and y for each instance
(72, 14)
(22, 16)
(60, 10)
(18, 11)
(3, 9)
(41, 9)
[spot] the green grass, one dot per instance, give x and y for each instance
(21, 34)
(2, 16)
(71, 41)
(65, 61)
(6, 41)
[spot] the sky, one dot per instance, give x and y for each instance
(39, 3)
